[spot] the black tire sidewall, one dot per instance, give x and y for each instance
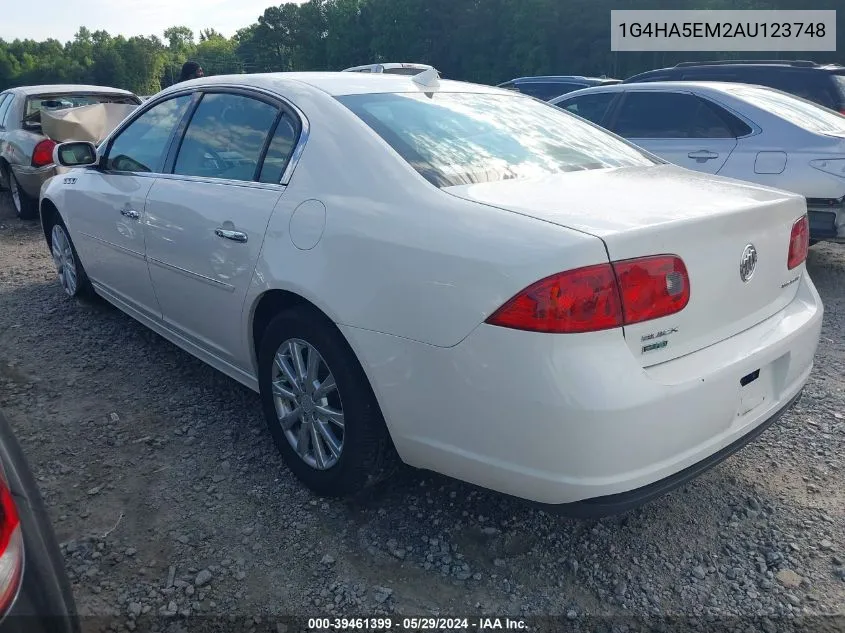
(29, 208)
(364, 431)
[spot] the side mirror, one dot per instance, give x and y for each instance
(75, 154)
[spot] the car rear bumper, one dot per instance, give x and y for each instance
(559, 419)
(622, 502)
(30, 179)
(827, 220)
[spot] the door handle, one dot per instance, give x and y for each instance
(703, 154)
(235, 236)
(130, 213)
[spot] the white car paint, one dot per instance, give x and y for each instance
(787, 139)
(409, 273)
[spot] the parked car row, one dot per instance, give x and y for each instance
(820, 83)
(773, 122)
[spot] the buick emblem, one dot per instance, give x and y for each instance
(748, 263)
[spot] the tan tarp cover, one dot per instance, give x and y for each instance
(87, 123)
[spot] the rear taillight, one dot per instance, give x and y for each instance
(11, 549)
(799, 242)
(652, 287)
(42, 155)
(580, 300)
(599, 297)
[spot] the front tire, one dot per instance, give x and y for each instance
(320, 408)
(72, 276)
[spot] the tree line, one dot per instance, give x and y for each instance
(487, 41)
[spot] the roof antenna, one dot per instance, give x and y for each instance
(429, 78)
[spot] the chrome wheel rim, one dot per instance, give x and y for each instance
(63, 259)
(16, 194)
(308, 405)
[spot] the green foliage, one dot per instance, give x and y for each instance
(488, 41)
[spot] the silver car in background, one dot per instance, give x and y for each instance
(741, 131)
(26, 154)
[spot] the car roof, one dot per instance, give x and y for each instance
(336, 83)
(69, 88)
(720, 86)
(560, 78)
(723, 87)
(749, 65)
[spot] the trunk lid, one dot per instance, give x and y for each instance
(708, 221)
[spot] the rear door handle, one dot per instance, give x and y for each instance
(130, 213)
(229, 234)
(702, 155)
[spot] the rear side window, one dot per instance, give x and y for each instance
(226, 137)
(799, 112)
(668, 115)
(813, 86)
(279, 150)
(5, 104)
(592, 107)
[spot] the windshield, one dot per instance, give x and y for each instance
(463, 138)
(800, 112)
(34, 105)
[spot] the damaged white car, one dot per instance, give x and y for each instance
(34, 118)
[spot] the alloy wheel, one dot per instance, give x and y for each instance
(64, 259)
(308, 405)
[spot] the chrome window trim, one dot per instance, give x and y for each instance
(296, 154)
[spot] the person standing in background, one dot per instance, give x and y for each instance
(190, 70)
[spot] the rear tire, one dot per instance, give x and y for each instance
(72, 276)
(303, 415)
(26, 208)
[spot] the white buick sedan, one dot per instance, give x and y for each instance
(455, 276)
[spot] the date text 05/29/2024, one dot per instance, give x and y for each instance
(318, 625)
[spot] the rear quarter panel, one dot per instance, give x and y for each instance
(397, 255)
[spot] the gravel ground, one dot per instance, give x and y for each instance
(170, 500)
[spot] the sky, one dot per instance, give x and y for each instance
(60, 19)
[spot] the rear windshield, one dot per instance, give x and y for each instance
(464, 138)
(34, 105)
(800, 112)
